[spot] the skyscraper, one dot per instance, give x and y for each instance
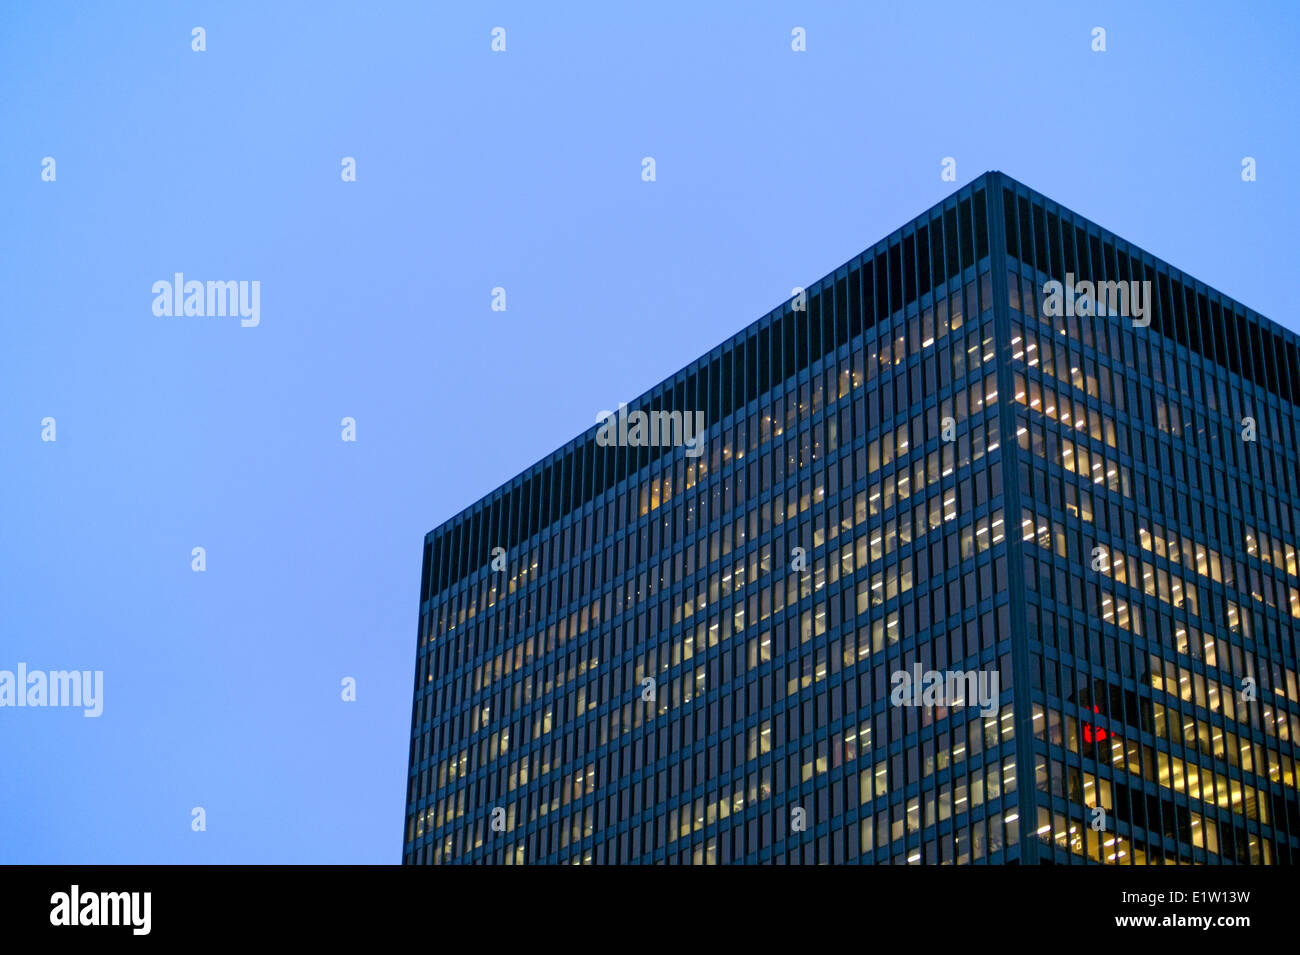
(979, 549)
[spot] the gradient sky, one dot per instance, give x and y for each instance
(474, 169)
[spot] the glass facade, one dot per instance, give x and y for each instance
(632, 654)
(1156, 475)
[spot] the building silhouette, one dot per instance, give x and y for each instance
(1002, 444)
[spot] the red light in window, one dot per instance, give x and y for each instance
(1093, 734)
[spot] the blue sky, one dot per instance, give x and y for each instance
(475, 170)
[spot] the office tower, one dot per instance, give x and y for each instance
(985, 555)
